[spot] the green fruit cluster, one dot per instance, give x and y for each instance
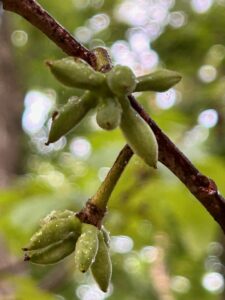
(109, 93)
(62, 233)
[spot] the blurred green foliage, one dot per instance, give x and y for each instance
(163, 227)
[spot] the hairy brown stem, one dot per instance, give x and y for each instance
(202, 187)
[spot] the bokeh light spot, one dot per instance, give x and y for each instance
(213, 282)
(121, 244)
(81, 4)
(37, 108)
(99, 22)
(201, 6)
(166, 99)
(132, 264)
(92, 292)
(207, 73)
(149, 253)
(80, 148)
(208, 118)
(83, 34)
(180, 284)
(177, 19)
(19, 38)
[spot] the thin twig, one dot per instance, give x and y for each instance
(202, 187)
(103, 193)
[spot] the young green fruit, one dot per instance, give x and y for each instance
(121, 80)
(109, 114)
(74, 72)
(102, 266)
(52, 253)
(57, 229)
(158, 81)
(138, 134)
(86, 247)
(70, 115)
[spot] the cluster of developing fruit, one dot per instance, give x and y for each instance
(60, 234)
(108, 92)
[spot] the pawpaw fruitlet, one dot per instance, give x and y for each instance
(70, 115)
(158, 81)
(74, 72)
(109, 113)
(102, 266)
(55, 230)
(103, 61)
(52, 253)
(86, 247)
(138, 134)
(121, 80)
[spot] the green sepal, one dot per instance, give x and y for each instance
(138, 134)
(86, 247)
(74, 72)
(70, 115)
(121, 80)
(158, 81)
(109, 113)
(52, 253)
(102, 266)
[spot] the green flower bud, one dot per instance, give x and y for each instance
(158, 81)
(109, 114)
(138, 134)
(103, 60)
(74, 72)
(106, 236)
(52, 253)
(70, 115)
(121, 80)
(55, 230)
(86, 247)
(102, 266)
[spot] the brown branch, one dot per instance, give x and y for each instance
(37, 16)
(202, 187)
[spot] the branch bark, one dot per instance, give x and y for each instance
(202, 187)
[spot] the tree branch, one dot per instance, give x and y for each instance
(37, 16)
(202, 187)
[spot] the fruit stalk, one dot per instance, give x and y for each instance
(100, 199)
